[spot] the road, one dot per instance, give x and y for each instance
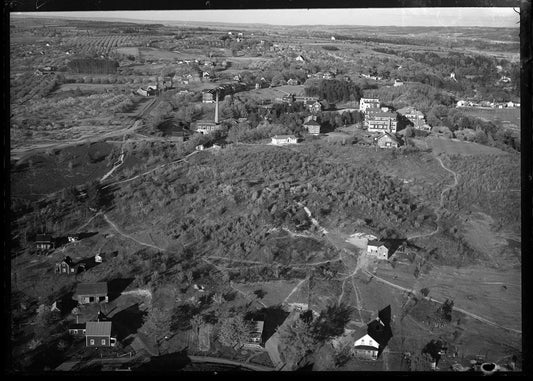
(217, 360)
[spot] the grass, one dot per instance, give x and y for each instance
(455, 147)
(509, 115)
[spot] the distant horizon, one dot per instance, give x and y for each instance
(394, 17)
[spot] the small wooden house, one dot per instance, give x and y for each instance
(279, 140)
(66, 266)
(98, 334)
(366, 347)
(77, 329)
(91, 293)
(313, 127)
(387, 140)
(44, 242)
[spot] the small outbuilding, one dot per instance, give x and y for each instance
(44, 242)
(87, 293)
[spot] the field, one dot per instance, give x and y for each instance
(456, 147)
(505, 115)
(272, 93)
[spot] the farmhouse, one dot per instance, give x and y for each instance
(366, 103)
(208, 96)
(207, 126)
(279, 140)
(293, 82)
(377, 336)
(91, 293)
(315, 107)
(98, 334)
(387, 141)
(44, 242)
(312, 127)
(254, 339)
(381, 122)
(377, 249)
(416, 117)
(66, 266)
(366, 347)
(397, 83)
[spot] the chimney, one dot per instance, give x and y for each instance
(216, 109)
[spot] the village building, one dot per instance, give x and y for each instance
(73, 238)
(208, 96)
(378, 333)
(280, 140)
(366, 103)
(312, 127)
(44, 242)
(91, 293)
(141, 344)
(293, 82)
(381, 122)
(387, 140)
(254, 339)
(315, 107)
(77, 329)
(377, 249)
(98, 334)
(207, 126)
(98, 258)
(66, 266)
(299, 58)
(413, 115)
(397, 83)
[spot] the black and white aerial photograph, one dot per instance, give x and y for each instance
(228, 190)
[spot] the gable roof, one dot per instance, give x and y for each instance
(99, 288)
(374, 242)
(283, 136)
(392, 137)
(43, 238)
(98, 328)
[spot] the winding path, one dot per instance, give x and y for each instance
(441, 204)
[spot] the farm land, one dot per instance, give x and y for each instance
(196, 238)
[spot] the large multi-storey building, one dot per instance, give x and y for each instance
(381, 122)
(366, 103)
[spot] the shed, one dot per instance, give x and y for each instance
(91, 293)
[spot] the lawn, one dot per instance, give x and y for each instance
(509, 115)
(451, 146)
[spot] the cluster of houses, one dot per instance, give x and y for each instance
(487, 104)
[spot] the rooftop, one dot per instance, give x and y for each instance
(92, 288)
(43, 238)
(284, 137)
(98, 328)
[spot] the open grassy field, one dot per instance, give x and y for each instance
(451, 147)
(273, 92)
(504, 115)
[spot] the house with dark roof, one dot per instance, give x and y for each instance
(66, 266)
(378, 334)
(44, 242)
(91, 293)
(77, 329)
(387, 140)
(312, 127)
(98, 334)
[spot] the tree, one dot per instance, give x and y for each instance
(196, 322)
(234, 331)
(157, 323)
(297, 340)
(44, 320)
(332, 321)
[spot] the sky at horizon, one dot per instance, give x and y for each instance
(489, 17)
